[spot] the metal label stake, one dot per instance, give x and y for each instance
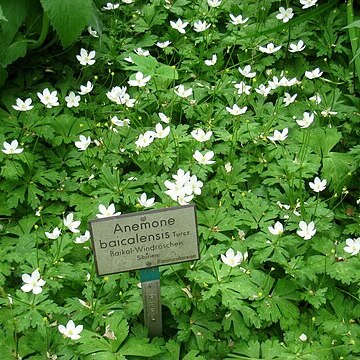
(150, 285)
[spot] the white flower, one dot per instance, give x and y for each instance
(23, 105)
(32, 282)
(163, 45)
(353, 246)
(285, 82)
(115, 121)
(238, 20)
(308, 3)
(306, 121)
(274, 83)
(242, 88)
(277, 229)
(145, 140)
(174, 189)
(11, 148)
(318, 185)
(285, 14)
(297, 47)
(179, 25)
(200, 26)
(235, 110)
(110, 6)
(72, 100)
(303, 337)
(288, 99)
(269, 48)
(214, 3)
(204, 159)
(82, 238)
(279, 136)
(54, 234)
(200, 135)
(263, 90)
(71, 224)
(231, 259)
(316, 98)
(106, 212)
(140, 80)
(141, 52)
(184, 199)
(246, 71)
(180, 91)
(194, 186)
(85, 89)
(71, 331)
(212, 61)
(86, 58)
(182, 177)
(83, 143)
(328, 112)
(164, 118)
(161, 133)
(307, 231)
(127, 1)
(92, 32)
(313, 74)
(145, 202)
(48, 99)
(228, 167)
(129, 59)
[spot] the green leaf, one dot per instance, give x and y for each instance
(322, 141)
(68, 17)
(139, 347)
(355, 24)
(15, 51)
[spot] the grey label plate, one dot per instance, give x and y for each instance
(145, 239)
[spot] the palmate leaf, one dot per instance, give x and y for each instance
(68, 17)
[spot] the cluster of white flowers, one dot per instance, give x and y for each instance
(149, 136)
(306, 231)
(119, 96)
(184, 188)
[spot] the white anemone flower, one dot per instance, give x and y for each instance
(231, 259)
(54, 234)
(285, 14)
(238, 20)
(200, 135)
(12, 148)
(279, 136)
(269, 48)
(71, 331)
(107, 211)
(236, 110)
(204, 159)
(300, 46)
(85, 89)
(49, 99)
(277, 229)
(23, 105)
(308, 3)
(33, 282)
(139, 80)
(145, 202)
(83, 143)
(306, 121)
(86, 58)
(318, 185)
(352, 246)
(72, 100)
(179, 25)
(212, 61)
(288, 99)
(316, 73)
(71, 224)
(307, 231)
(82, 238)
(246, 71)
(200, 26)
(180, 91)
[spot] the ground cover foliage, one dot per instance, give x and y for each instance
(217, 117)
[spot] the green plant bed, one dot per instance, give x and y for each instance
(249, 110)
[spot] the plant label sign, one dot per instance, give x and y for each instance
(145, 239)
